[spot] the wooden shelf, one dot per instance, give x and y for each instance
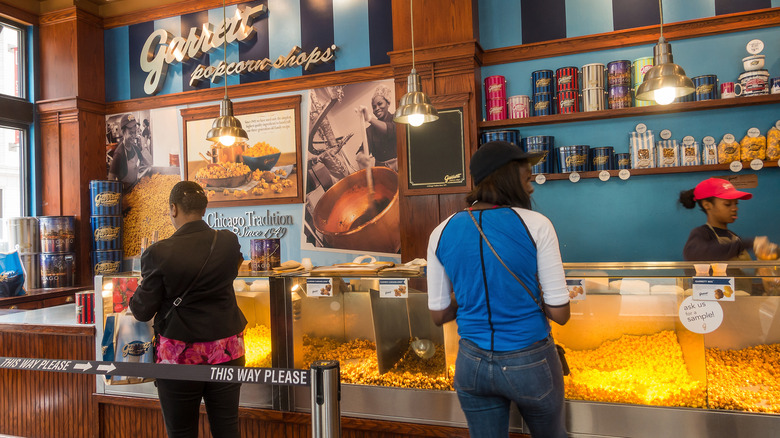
(630, 112)
(656, 170)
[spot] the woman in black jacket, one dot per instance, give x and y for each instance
(207, 326)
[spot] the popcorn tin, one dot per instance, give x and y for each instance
(496, 109)
(32, 271)
(754, 83)
(106, 232)
(106, 262)
(57, 270)
(495, 87)
(567, 78)
(622, 161)
(23, 232)
(519, 106)
(593, 76)
(542, 81)
(265, 254)
(568, 102)
(573, 158)
(593, 99)
(601, 158)
(639, 68)
(105, 198)
(706, 87)
(58, 233)
(541, 143)
(619, 73)
(543, 104)
(619, 96)
(510, 135)
(85, 307)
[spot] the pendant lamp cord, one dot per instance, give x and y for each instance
(411, 14)
(224, 43)
(661, 11)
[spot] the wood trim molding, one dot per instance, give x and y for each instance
(402, 59)
(17, 14)
(70, 103)
(720, 24)
(166, 11)
(275, 86)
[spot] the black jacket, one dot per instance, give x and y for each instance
(209, 311)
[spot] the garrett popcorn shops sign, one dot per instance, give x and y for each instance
(163, 49)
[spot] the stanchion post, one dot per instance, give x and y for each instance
(325, 399)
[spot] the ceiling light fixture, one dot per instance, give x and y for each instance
(414, 108)
(226, 128)
(666, 80)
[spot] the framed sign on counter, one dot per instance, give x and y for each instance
(263, 170)
(436, 152)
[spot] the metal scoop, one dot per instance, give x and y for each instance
(423, 348)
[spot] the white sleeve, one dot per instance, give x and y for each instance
(552, 278)
(439, 284)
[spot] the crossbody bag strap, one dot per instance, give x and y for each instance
(179, 299)
(481, 233)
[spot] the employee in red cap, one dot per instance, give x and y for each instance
(713, 241)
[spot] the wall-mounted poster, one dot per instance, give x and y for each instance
(129, 147)
(352, 165)
(262, 170)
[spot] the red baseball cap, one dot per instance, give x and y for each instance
(718, 188)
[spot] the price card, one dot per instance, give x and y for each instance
(753, 132)
(713, 289)
(541, 179)
(735, 166)
(728, 138)
(319, 287)
(624, 174)
(604, 175)
(777, 124)
(754, 47)
(641, 128)
(700, 316)
(574, 177)
(688, 140)
(666, 134)
(576, 288)
(708, 140)
(756, 164)
(394, 288)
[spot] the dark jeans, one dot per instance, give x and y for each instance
(487, 382)
(180, 402)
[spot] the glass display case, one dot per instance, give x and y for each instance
(253, 298)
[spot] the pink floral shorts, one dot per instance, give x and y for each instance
(200, 353)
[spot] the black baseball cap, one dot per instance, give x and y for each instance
(494, 154)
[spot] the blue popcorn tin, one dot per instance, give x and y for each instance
(544, 105)
(706, 87)
(602, 158)
(622, 161)
(509, 135)
(543, 81)
(573, 158)
(106, 262)
(105, 198)
(541, 143)
(106, 233)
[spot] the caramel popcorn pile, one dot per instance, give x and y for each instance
(257, 346)
(358, 362)
(148, 202)
(647, 370)
(746, 379)
(260, 149)
(224, 170)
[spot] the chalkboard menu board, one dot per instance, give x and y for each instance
(436, 152)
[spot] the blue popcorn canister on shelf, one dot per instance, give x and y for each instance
(544, 104)
(602, 158)
(106, 233)
(573, 158)
(622, 161)
(541, 143)
(508, 135)
(706, 87)
(106, 262)
(105, 198)
(543, 81)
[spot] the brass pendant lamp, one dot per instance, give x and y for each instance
(414, 108)
(226, 128)
(666, 80)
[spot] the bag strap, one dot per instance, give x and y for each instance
(482, 233)
(179, 299)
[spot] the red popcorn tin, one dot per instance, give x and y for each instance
(495, 88)
(495, 109)
(567, 78)
(519, 106)
(85, 307)
(568, 102)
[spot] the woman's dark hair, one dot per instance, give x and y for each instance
(189, 196)
(687, 200)
(503, 187)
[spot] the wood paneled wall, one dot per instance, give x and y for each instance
(47, 404)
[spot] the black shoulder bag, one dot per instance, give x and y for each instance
(159, 326)
(561, 352)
